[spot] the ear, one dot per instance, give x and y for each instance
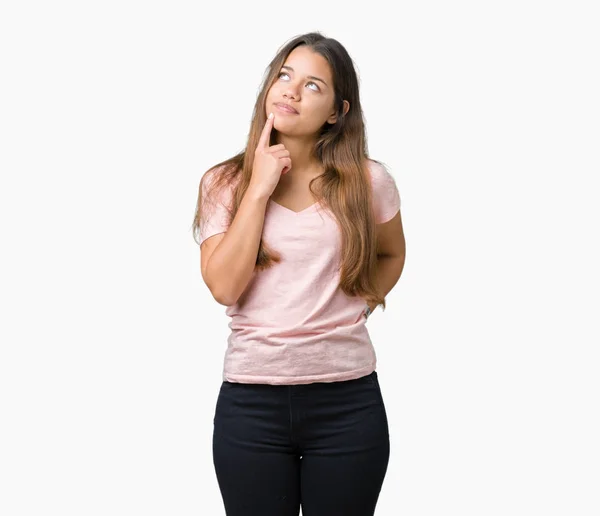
(333, 118)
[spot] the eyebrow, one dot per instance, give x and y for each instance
(308, 76)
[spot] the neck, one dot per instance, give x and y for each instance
(304, 162)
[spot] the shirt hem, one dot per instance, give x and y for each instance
(297, 380)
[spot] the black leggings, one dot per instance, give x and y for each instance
(322, 446)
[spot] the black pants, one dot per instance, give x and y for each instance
(324, 446)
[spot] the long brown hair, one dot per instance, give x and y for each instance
(344, 187)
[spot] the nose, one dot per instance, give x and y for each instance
(291, 91)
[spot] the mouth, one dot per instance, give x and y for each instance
(285, 108)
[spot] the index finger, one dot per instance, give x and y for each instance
(266, 132)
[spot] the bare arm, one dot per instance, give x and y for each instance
(391, 254)
(229, 258)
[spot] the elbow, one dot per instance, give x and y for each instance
(218, 292)
(218, 295)
(223, 298)
(223, 301)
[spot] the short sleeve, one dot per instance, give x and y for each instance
(386, 197)
(216, 202)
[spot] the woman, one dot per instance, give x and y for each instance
(301, 238)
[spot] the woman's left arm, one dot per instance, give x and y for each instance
(391, 253)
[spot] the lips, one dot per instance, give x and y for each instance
(286, 107)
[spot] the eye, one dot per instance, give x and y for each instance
(310, 82)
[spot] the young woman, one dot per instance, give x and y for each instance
(301, 237)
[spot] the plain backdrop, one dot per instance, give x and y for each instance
(487, 114)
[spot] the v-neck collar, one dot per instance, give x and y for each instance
(309, 208)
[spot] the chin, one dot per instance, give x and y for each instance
(283, 128)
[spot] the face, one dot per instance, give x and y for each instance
(305, 83)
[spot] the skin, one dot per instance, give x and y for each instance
(314, 102)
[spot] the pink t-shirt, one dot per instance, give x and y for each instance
(293, 324)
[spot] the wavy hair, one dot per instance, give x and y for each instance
(344, 187)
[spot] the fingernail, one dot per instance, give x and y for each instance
(270, 115)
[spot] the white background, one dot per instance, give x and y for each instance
(111, 345)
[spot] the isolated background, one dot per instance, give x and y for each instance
(487, 114)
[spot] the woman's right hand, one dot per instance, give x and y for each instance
(269, 162)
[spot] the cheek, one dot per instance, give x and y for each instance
(321, 110)
(273, 92)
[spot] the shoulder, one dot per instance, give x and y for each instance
(212, 175)
(386, 197)
(379, 173)
(215, 185)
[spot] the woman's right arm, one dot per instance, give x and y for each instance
(228, 259)
(228, 262)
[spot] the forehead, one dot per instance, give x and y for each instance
(305, 61)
